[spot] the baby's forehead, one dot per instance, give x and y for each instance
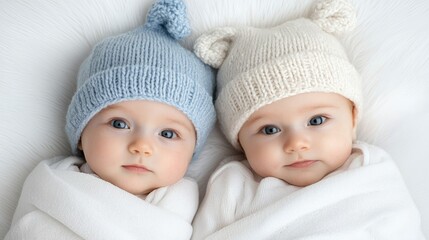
(304, 102)
(314, 99)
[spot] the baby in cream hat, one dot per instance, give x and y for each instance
(268, 76)
(290, 99)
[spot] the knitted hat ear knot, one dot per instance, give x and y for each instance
(334, 16)
(212, 48)
(169, 15)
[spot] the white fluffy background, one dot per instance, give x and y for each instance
(43, 42)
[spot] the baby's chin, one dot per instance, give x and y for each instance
(304, 180)
(135, 188)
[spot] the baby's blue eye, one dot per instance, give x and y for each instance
(168, 134)
(120, 124)
(270, 129)
(318, 120)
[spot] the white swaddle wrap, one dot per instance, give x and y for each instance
(364, 199)
(60, 202)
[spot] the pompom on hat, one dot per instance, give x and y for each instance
(260, 66)
(147, 63)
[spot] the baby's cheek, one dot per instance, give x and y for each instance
(176, 169)
(262, 160)
(341, 155)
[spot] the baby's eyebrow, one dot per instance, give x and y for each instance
(175, 121)
(315, 107)
(110, 107)
(253, 120)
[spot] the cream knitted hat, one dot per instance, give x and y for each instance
(260, 66)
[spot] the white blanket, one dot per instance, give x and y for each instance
(59, 202)
(364, 199)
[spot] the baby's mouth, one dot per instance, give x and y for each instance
(136, 168)
(301, 164)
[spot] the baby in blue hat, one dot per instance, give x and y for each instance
(142, 111)
(143, 105)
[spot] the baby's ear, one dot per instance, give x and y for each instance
(355, 121)
(212, 48)
(79, 145)
(334, 16)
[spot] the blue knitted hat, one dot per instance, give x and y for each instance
(147, 63)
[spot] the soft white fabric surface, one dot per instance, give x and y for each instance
(43, 42)
(364, 199)
(60, 202)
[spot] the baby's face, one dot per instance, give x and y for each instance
(139, 145)
(299, 139)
